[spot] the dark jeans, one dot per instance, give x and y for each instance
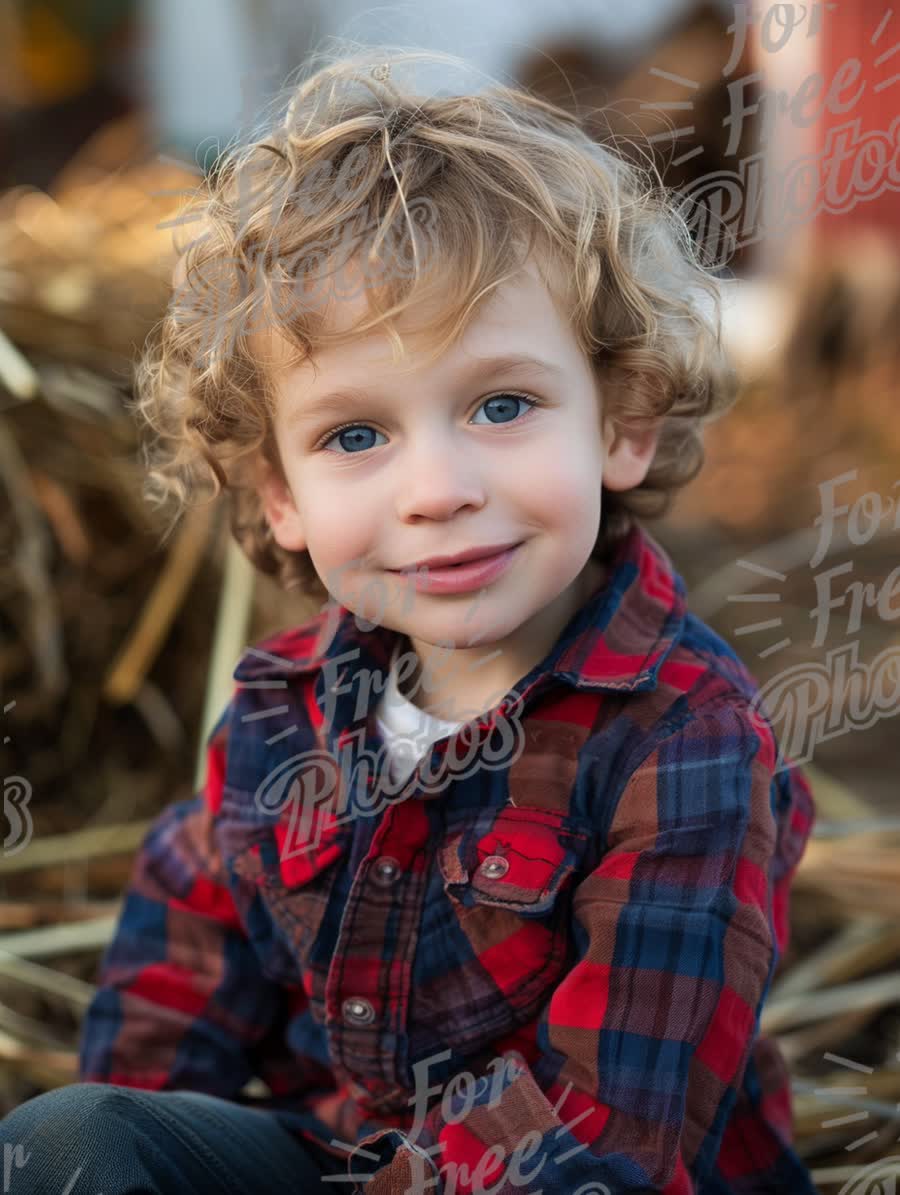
(89, 1138)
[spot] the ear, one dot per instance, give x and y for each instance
(629, 448)
(280, 510)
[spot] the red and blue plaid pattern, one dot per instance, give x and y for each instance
(540, 974)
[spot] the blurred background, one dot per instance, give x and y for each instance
(779, 125)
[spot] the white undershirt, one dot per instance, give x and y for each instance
(407, 731)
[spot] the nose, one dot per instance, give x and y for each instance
(438, 478)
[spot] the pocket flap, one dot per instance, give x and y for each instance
(520, 861)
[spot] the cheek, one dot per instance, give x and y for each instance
(564, 486)
(339, 532)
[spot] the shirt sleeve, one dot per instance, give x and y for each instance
(639, 1054)
(181, 1000)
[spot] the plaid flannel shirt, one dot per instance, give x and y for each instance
(539, 971)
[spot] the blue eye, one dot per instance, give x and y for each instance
(354, 433)
(505, 408)
(353, 436)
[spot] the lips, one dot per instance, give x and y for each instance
(464, 576)
(459, 558)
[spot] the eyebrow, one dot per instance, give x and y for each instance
(337, 401)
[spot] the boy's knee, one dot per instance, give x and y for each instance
(65, 1110)
(43, 1139)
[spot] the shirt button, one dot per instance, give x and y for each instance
(358, 1011)
(386, 870)
(494, 867)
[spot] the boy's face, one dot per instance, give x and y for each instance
(430, 467)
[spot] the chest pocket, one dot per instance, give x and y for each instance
(294, 882)
(523, 862)
(508, 885)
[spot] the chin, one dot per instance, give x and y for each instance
(474, 632)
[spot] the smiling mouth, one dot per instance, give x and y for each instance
(474, 560)
(463, 563)
(464, 576)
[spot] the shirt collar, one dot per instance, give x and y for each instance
(618, 640)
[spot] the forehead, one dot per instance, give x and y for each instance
(528, 305)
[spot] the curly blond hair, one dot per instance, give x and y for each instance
(452, 191)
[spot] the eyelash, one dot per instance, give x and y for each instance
(329, 435)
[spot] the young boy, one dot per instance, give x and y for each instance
(489, 875)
